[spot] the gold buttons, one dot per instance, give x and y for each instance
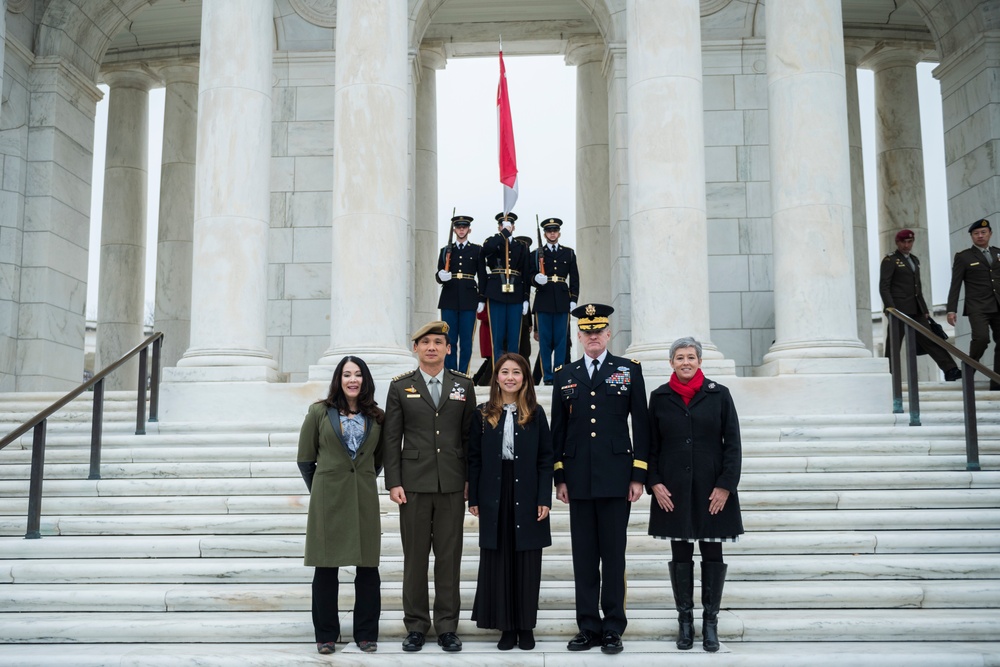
(593, 420)
(593, 393)
(593, 435)
(593, 407)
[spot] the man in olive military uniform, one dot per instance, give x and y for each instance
(600, 472)
(425, 439)
(506, 262)
(979, 268)
(899, 285)
(461, 276)
(557, 286)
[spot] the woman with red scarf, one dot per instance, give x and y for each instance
(694, 469)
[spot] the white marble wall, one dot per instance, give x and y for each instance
(298, 291)
(425, 184)
(56, 226)
(739, 201)
(970, 91)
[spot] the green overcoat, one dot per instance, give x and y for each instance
(344, 525)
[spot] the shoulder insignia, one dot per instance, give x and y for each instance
(460, 374)
(635, 361)
(558, 368)
(404, 375)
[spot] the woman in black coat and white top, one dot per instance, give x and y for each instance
(510, 490)
(694, 468)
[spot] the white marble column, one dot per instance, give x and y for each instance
(232, 196)
(666, 172)
(593, 228)
(615, 66)
(425, 224)
(370, 180)
(859, 216)
(122, 275)
(3, 38)
(176, 221)
(814, 300)
(902, 198)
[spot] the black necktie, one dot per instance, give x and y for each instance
(595, 365)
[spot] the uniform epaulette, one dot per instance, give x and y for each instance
(460, 374)
(403, 375)
(558, 368)
(635, 361)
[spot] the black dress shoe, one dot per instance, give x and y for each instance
(525, 640)
(584, 641)
(612, 642)
(414, 641)
(508, 640)
(952, 374)
(450, 642)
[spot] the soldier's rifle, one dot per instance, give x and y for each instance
(538, 232)
(451, 242)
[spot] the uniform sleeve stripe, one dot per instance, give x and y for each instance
(640, 464)
(558, 466)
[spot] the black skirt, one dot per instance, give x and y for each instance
(507, 591)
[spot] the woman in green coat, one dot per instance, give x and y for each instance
(340, 455)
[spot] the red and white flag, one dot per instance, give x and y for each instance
(508, 157)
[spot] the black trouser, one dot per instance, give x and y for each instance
(981, 324)
(367, 604)
(598, 529)
(938, 354)
(683, 552)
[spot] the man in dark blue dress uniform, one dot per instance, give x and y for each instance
(557, 286)
(461, 276)
(507, 290)
(600, 472)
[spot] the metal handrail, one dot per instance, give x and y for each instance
(39, 422)
(969, 367)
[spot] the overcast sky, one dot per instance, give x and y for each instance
(543, 105)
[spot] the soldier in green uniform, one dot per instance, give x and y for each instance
(978, 268)
(426, 433)
(899, 286)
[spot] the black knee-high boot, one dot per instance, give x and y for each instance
(682, 581)
(713, 577)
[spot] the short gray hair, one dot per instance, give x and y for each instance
(687, 341)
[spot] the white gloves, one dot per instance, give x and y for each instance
(572, 306)
(445, 276)
(480, 308)
(524, 309)
(541, 278)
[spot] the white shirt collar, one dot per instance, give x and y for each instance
(600, 359)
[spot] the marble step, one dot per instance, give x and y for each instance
(753, 520)
(553, 625)
(749, 482)
(555, 567)
(292, 546)
(887, 500)
(246, 466)
(546, 654)
(152, 597)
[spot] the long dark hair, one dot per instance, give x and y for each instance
(367, 406)
(526, 401)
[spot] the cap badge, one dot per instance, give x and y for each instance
(591, 310)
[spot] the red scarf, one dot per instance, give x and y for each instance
(687, 391)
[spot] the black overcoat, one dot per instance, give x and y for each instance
(693, 449)
(532, 479)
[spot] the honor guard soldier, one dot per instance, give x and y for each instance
(557, 286)
(600, 472)
(527, 321)
(461, 276)
(899, 286)
(979, 268)
(506, 262)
